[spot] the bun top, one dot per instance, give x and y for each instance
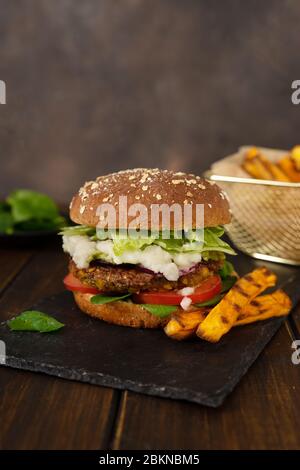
(148, 187)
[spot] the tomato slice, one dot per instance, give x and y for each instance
(75, 285)
(207, 290)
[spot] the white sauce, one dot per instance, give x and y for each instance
(187, 291)
(153, 257)
(185, 303)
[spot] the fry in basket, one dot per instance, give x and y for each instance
(288, 166)
(258, 166)
(183, 324)
(276, 304)
(276, 172)
(224, 315)
(295, 156)
(255, 166)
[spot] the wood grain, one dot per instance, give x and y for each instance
(295, 322)
(12, 261)
(262, 413)
(41, 412)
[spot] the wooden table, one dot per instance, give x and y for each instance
(43, 412)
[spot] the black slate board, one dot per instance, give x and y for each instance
(144, 361)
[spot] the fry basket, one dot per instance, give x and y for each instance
(265, 217)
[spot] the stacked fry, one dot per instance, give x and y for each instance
(259, 166)
(243, 304)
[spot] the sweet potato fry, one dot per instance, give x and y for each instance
(295, 156)
(251, 153)
(184, 324)
(224, 315)
(276, 300)
(288, 167)
(258, 166)
(276, 304)
(276, 172)
(256, 169)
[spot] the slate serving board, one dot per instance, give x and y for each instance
(145, 361)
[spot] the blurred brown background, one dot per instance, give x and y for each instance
(98, 85)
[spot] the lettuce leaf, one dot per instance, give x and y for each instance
(78, 230)
(130, 244)
(213, 242)
(207, 242)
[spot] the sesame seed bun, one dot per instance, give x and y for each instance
(148, 187)
(119, 313)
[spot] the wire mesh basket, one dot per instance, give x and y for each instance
(265, 217)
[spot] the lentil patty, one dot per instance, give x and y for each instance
(130, 278)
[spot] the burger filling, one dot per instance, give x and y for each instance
(130, 278)
(120, 265)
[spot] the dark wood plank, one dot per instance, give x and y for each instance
(11, 261)
(295, 322)
(42, 276)
(38, 411)
(261, 413)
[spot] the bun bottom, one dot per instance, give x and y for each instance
(119, 313)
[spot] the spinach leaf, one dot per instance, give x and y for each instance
(160, 310)
(101, 299)
(211, 302)
(33, 320)
(26, 205)
(228, 283)
(6, 222)
(226, 270)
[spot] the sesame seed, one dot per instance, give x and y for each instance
(82, 209)
(132, 185)
(177, 181)
(158, 196)
(224, 195)
(201, 186)
(94, 186)
(209, 205)
(131, 177)
(105, 199)
(137, 197)
(144, 188)
(189, 194)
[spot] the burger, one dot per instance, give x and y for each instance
(139, 270)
